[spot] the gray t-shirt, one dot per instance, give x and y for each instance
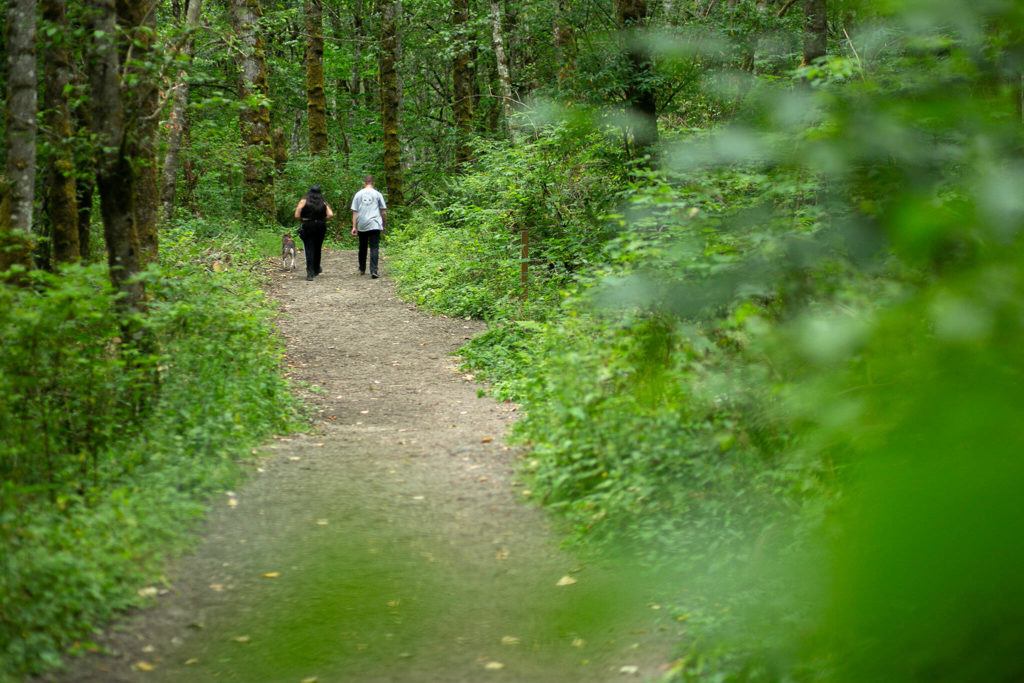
(368, 203)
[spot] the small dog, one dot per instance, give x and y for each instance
(287, 252)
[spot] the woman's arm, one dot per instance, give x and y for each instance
(298, 209)
(330, 214)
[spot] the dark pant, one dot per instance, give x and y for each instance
(371, 239)
(312, 234)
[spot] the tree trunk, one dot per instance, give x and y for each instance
(280, 144)
(137, 18)
(60, 185)
(504, 79)
(815, 30)
(113, 168)
(390, 100)
(176, 120)
(565, 44)
(254, 116)
(316, 99)
(632, 15)
(462, 91)
(343, 108)
(85, 184)
(16, 207)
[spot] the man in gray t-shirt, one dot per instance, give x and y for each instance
(369, 212)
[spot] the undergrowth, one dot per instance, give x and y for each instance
(110, 444)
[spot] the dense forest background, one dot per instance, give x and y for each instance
(752, 267)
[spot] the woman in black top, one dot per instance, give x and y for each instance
(314, 213)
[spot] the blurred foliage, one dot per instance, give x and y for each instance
(107, 449)
(789, 381)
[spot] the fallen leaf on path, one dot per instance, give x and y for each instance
(630, 670)
(241, 639)
(487, 439)
(481, 478)
(144, 666)
(494, 666)
(190, 662)
(149, 649)
(509, 640)
(364, 412)
(566, 581)
(501, 554)
(394, 603)
(271, 575)
(232, 502)
(578, 642)
(310, 679)
(216, 587)
(295, 458)
(321, 522)
(147, 592)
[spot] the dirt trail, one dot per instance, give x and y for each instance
(388, 543)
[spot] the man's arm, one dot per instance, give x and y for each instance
(383, 220)
(355, 215)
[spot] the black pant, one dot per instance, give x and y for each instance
(312, 234)
(371, 239)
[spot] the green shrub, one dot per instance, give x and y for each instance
(107, 452)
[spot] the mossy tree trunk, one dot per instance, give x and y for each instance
(19, 189)
(254, 115)
(501, 61)
(462, 88)
(316, 97)
(61, 201)
(815, 30)
(632, 16)
(565, 43)
(137, 19)
(176, 120)
(390, 100)
(114, 176)
(85, 183)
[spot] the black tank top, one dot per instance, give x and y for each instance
(310, 214)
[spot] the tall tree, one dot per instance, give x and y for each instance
(114, 176)
(16, 207)
(565, 42)
(632, 16)
(61, 202)
(254, 115)
(316, 98)
(462, 87)
(176, 119)
(815, 30)
(137, 21)
(504, 79)
(390, 99)
(85, 183)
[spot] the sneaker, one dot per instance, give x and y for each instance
(362, 272)
(374, 275)
(309, 277)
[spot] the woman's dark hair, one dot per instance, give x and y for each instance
(315, 198)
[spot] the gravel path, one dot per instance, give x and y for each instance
(388, 543)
